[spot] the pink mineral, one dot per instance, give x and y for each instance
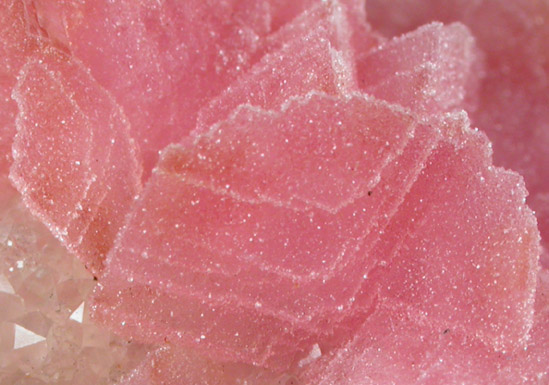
(319, 58)
(14, 48)
(69, 134)
(395, 345)
(161, 60)
(306, 236)
(291, 227)
(514, 95)
(431, 69)
(274, 192)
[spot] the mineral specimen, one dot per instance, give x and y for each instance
(273, 192)
(69, 135)
(15, 46)
(429, 70)
(46, 335)
(161, 60)
(513, 97)
(416, 351)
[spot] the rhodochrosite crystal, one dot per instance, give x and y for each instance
(68, 124)
(514, 94)
(161, 60)
(15, 46)
(432, 69)
(274, 192)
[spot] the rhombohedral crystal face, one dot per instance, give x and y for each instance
(274, 192)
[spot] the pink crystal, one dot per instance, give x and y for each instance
(280, 220)
(290, 227)
(42, 286)
(14, 48)
(316, 206)
(188, 368)
(311, 53)
(414, 350)
(429, 70)
(514, 94)
(63, 155)
(478, 252)
(160, 60)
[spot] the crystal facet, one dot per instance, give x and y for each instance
(274, 192)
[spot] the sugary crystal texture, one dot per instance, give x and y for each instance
(322, 211)
(429, 70)
(70, 133)
(161, 60)
(15, 46)
(311, 53)
(514, 93)
(303, 208)
(395, 345)
(294, 230)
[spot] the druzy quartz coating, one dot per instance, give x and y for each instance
(274, 192)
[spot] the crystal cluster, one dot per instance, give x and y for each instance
(512, 102)
(274, 192)
(46, 335)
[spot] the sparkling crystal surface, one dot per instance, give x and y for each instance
(274, 192)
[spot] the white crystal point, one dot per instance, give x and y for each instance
(78, 314)
(24, 337)
(313, 356)
(5, 285)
